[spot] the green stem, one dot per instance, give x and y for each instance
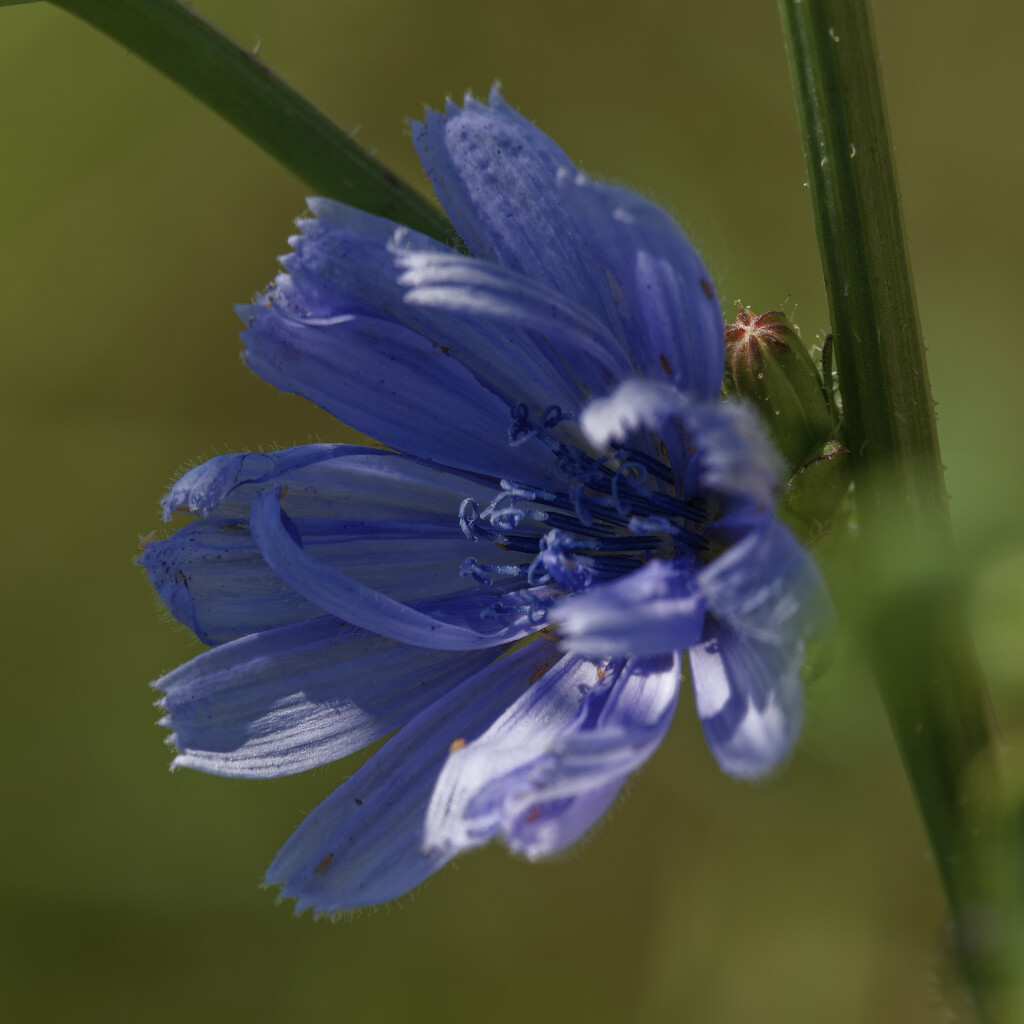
(886, 395)
(915, 634)
(245, 92)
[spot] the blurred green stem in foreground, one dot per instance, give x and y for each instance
(233, 82)
(903, 594)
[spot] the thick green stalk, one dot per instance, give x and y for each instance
(244, 91)
(910, 595)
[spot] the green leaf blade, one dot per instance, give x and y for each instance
(237, 85)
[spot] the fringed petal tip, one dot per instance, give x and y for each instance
(205, 486)
(341, 216)
(286, 700)
(453, 109)
(211, 486)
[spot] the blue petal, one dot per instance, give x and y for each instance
(487, 292)
(767, 587)
(389, 519)
(213, 579)
(586, 767)
(481, 781)
(638, 406)
(364, 843)
(551, 765)
(342, 596)
(663, 294)
(495, 175)
(634, 406)
(748, 699)
(736, 461)
(765, 598)
(342, 265)
(338, 481)
(301, 696)
(359, 222)
(654, 610)
(392, 384)
(517, 199)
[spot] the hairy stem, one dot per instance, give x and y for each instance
(914, 630)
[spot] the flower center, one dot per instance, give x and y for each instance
(613, 514)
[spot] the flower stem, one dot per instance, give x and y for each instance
(233, 82)
(915, 633)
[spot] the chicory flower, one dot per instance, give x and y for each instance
(564, 508)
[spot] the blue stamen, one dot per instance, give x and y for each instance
(469, 512)
(505, 514)
(553, 415)
(572, 524)
(635, 481)
(538, 612)
(661, 525)
(651, 524)
(553, 563)
(471, 567)
(641, 543)
(536, 609)
(520, 429)
(613, 515)
(654, 466)
(578, 499)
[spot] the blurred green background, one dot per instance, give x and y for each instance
(132, 220)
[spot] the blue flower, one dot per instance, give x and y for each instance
(564, 508)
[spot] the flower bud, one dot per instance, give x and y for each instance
(766, 362)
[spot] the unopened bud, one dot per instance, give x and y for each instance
(766, 362)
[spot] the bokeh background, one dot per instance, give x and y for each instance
(131, 220)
